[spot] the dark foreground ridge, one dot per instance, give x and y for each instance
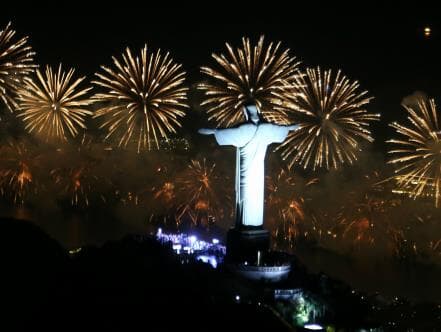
(132, 284)
(138, 284)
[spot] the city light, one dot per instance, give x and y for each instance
(208, 260)
(75, 251)
(427, 31)
(313, 327)
(211, 253)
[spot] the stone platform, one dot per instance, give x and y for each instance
(273, 273)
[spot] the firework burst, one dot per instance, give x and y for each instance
(53, 107)
(79, 173)
(74, 182)
(165, 194)
(263, 75)
(332, 118)
(17, 166)
(16, 63)
(163, 203)
(417, 152)
(365, 217)
(286, 201)
(160, 197)
(79, 181)
(145, 98)
(200, 188)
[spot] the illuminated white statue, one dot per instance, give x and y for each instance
(251, 139)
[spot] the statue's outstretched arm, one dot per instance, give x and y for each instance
(206, 131)
(294, 127)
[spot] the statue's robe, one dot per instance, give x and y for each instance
(251, 141)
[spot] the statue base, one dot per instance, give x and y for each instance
(247, 245)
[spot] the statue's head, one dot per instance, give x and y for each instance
(251, 112)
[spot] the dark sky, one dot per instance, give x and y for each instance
(383, 47)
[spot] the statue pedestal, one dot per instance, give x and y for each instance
(247, 244)
(248, 255)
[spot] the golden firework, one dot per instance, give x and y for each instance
(417, 151)
(166, 193)
(333, 121)
(17, 164)
(262, 75)
(285, 205)
(145, 98)
(52, 107)
(364, 215)
(75, 182)
(16, 63)
(200, 188)
(286, 201)
(79, 172)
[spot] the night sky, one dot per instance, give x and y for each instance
(384, 48)
(381, 46)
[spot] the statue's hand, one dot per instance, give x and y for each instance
(294, 127)
(206, 131)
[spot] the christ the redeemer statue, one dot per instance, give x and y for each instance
(251, 139)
